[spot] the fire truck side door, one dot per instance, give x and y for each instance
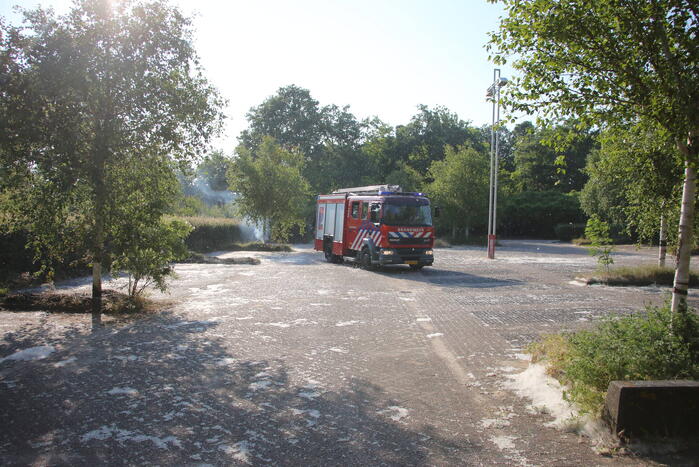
(353, 222)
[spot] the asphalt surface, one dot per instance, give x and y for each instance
(299, 362)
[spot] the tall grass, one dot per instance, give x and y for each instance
(642, 275)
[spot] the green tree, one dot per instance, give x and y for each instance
(423, 139)
(611, 61)
(273, 190)
(460, 187)
(603, 194)
(536, 213)
(597, 231)
(328, 137)
(406, 177)
(213, 168)
(92, 93)
(634, 182)
(551, 158)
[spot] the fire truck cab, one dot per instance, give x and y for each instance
(376, 225)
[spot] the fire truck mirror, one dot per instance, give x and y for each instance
(437, 211)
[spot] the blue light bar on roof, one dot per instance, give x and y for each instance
(412, 193)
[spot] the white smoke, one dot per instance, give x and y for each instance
(209, 196)
(250, 231)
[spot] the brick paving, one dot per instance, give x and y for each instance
(301, 362)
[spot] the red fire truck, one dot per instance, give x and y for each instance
(376, 225)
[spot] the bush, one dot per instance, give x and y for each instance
(259, 246)
(536, 213)
(212, 233)
(567, 232)
(651, 345)
(597, 231)
(148, 260)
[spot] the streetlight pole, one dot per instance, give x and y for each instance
(494, 93)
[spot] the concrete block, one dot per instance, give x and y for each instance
(639, 409)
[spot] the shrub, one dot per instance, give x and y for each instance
(597, 231)
(259, 246)
(642, 275)
(651, 345)
(148, 260)
(212, 233)
(535, 214)
(569, 231)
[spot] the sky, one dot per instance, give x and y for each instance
(381, 57)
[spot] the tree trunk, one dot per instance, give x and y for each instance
(662, 250)
(684, 250)
(97, 271)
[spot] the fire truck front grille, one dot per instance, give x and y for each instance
(409, 241)
(411, 253)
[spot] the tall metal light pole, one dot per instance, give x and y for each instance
(494, 94)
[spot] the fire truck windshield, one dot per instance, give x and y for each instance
(408, 212)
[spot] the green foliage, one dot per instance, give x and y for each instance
(651, 345)
(569, 231)
(603, 60)
(328, 138)
(535, 214)
(211, 233)
(406, 177)
(194, 206)
(147, 261)
(635, 178)
(213, 168)
(642, 275)
(597, 231)
(551, 158)
(273, 191)
(95, 106)
(260, 246)
(460, 187)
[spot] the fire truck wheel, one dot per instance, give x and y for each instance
(330, 257)
(365, 259)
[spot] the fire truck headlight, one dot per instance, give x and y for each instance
(386, 252)
(429, 252)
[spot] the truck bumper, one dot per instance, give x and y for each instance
(415, 257)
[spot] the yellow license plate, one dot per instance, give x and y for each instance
(411, 262)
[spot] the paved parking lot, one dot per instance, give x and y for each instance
(299, 362)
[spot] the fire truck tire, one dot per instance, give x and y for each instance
(329, 256)
(416, 267)
(365, 259)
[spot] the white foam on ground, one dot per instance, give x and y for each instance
(394, 412)
(436, 334)
(346, 323)
(545, 393)
(32, 353)
(310, 395)
(257, 385)
(280, 325)
(105, 432)
(65, 362)
(127, 391)
(240, 451)
(504, 442)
